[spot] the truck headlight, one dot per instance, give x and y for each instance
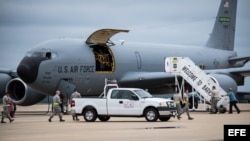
(171, 104)
(162, 104)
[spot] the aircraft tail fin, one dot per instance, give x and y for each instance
(222, 36)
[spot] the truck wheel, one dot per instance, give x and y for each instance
(89, 115)
(164, 118)
(151, 114)
(104, 118)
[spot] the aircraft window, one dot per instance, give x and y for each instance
(28, 54)
(48, 55)
(138, 58)
(34, 54)
(54, 55)
(37, 54)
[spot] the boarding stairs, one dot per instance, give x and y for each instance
(196, 77)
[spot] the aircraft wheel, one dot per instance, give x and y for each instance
(90, 115)
(151, 114)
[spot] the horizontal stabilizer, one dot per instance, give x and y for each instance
(234, 60)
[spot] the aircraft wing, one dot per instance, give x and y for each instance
(243, 71)
(9, 72)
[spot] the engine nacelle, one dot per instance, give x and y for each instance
(4, 79)
(225, 82)
(21, 94)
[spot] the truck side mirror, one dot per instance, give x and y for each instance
(134, 97)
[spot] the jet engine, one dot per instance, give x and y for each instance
(225, 81)
(21, 94)
(4, 79)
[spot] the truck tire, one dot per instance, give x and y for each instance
(164, 118)
(104, 118)
(90, 115)
(151, 114)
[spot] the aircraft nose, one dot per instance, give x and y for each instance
(27, 70)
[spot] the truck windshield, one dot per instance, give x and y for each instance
(143, 94)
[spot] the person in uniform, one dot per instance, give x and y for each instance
(6, 104)
(75, 94)
(214, 100)
(56, 106)
(186, 104)
(62, 102)
(177, 99)
(232, 101)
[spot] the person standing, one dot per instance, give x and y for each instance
(6, 104)
(12, 108)
(56, 106)
(186, 104)
(75, 94)
(232, 101)
(214, 100)
(12, 113)
(177, 99)
(62, 102)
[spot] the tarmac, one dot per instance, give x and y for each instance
(31, 124)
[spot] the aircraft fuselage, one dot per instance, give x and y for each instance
(86, 67)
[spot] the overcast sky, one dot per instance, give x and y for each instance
(24, 23)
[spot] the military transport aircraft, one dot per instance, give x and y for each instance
(66, 63)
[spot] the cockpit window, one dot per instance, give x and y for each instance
(34, 54)
(28, 54)
(54, 55)
(48, 55)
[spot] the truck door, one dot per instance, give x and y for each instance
(122, 103)
(128, 105)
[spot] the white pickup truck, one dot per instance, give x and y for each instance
(124, 102)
